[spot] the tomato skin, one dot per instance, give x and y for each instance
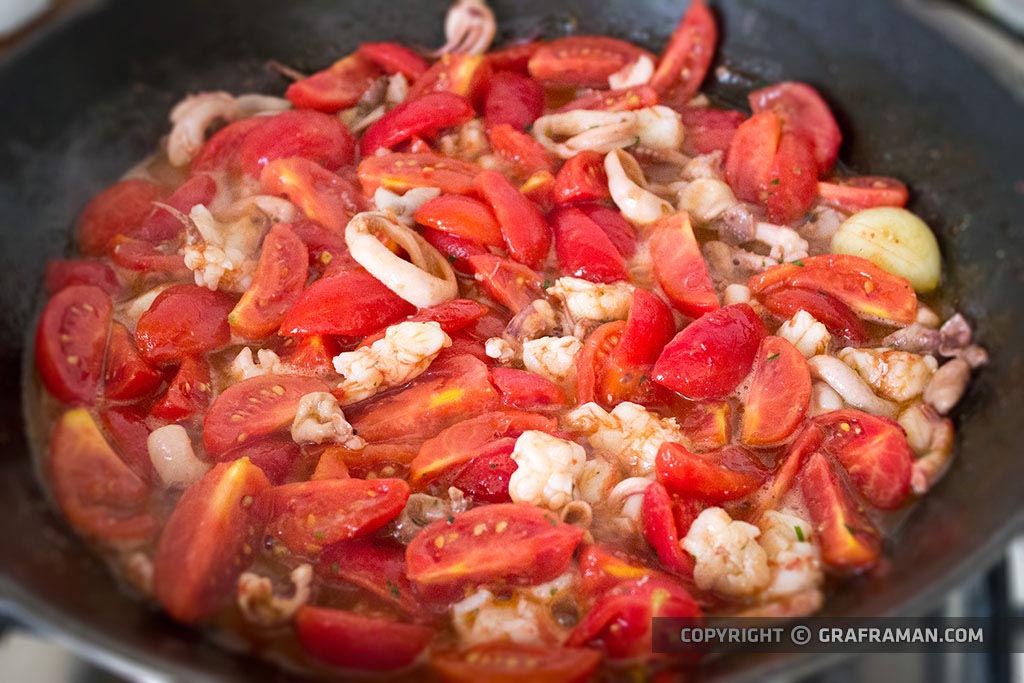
(61, 273)
(498, 662)
(626, 99)
(70, 342)
(803, 111)
(526, 390)
(423, 116)
(188, 393)
(274, 455)
(456, 249)
(394, 58)
(832, 313)
(513, 99)
(452, 316)
(323, 196)
(511, 284)
(310, 135)
(618, 229)
(126, 375)
(602, 568)
(792, 186)
(127, 428)
(335, 88)
(118, 210)
(184, 320)
(354, 641)
(527, 235)
(307, 516)
(466, 75)
(582, 179)
(518, 544)
(648, 329)
(751, 154)
(98, 493)
(400, 172)
(202, 549)
(679, 267)
(863, 192)
(161, 224)
(582, 61)
(377, 566)
(659, 528)
(220, 153)
(592, 361)
(780, 391)
(485, 478)
(515, 57)
(253, 408)
(689, 52)
(463, 217)
(710, 357)
(349, 304)
(277, 284)
(142, 256)
(520, 149)
(709, 130)
(583, 249)
(706, 424)
(728, 475)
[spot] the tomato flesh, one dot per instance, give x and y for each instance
(310, 135)
(513, 99)
(394, 58)
(61, 273)
(719, 478)
(626, 99)
(423, 116)
(184, 320)
(512, 285)
(709, 130)
(374, 565)
(804, 112)
(829, 311)
(188, 393)
(582, 179)
(463, 217)
(351, 303)
(118, 210)
(70, 341)
(323, 196)
(686, 58)
(525, 154)
(526, 234)
(354, 641)
(779, 394)
(583, 249)
(863, 192)
(525, 390)
(127, 375)
(336, 87)
(659, 528)
(400, 172)
(498, 662)
(583, 61)
(277, 284)
(680, 268)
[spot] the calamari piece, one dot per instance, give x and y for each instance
(848, 384)
(469, 28)
(260, 605)
(628, 188)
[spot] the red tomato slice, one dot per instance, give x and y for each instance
(513, 99)
(220, 153)
(456, 391)
(709, 130)
(494, 544)
(689, 52)
(209, 540)
(539, 188)
(142, 256)
(619, 230)
(583, 249)
(452, 316)
(582, 179)
(526, 390)
(275, 455)
(70, 341)
(728, 475)
(659, 527)
(376, 566)
(648, 329)
(127, 428)
(466, 75)
(833, 314)
(184, 320)
(61, 273)
(353, 641)
(323, 196)
(802, 111)
(254, 408)
(526, 233)
(328, 253)
(331, 464)
(780, 391)
(423, 116)
(118, 210)
(515, 662)
(792, 185)
(335, 88)
(514, 57)
(309, 135)
(161, 224)
(710, 357)
(602, 568)
(309, 515)
(525, 154)
(592, 361)
(277, 284)
(456, 249)
(463, 217)
(485, 478)
(402, 172)
(349, 304)
(583, 61)
(97, 492)
(849, 541)
(127, 376)
(863, 192)
(394, 59)
(680, 268)
(511, 284)
(707, 425)
(188, 393)
(311, 355)
(871, 292)
(748, 163)
(626, 99)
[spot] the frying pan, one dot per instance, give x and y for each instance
(88, 99)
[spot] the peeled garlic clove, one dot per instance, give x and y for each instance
(895, 240)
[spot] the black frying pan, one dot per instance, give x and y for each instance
(89, 99)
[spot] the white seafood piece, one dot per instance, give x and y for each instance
(547, 470)
(568, 133)
(190, 119)
(848, 384)
(628, 189)
(468, 141)
(626, 501)
(402, 207)
(500, 350)
(894, 375)
(586, 300)
(469, 28)
(793, 558)
(553, 358)
(223, 255)
(737, 294)
(824, 399)
(170, 451)
(629, 435)
(727, 557)
(810, 337)
(597, 479)
(705, 199)
(319, 419)
(948, 385)
(260, 605)
(524, 617)
(785, 244)
(633, 74)
(244, 366)
(931, 437)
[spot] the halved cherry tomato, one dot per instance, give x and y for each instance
(127, 376)
(619, 230)
(863, 192)
(510, 283)
(161, 224)
(98, 493)
(659, 528)
(184, 320)
(220, 153)
(583, 249)
(748, 162)
(706, 424)
(402, 172)
(485, 478)
(792, 185)
(277, 284)
(423, 116)
(355, 641)
(308, 135)
(709, 130)
(394, 59)
(730, 474)
(583, 61)
(780, 391)
(602, 568)
(127, 429)
(498, 662)
(377, 566)
(515, 57)
(275, 455)
(463, 217)
(519, 149)
(208, 541)
(335, 88)
(456, 249)
(465, 75)
(146, 257)
(331, 464)
(513, 99)
(710, 357)
(648, 329)
(495, 544)
(311, 354)
(351, 303)
(70, 342)
(328, 253)
(849, 541)
(680, 268)
(61, 273)
(118, 210)
(526, 233)
(832, 313)
(871, 292)
(188, 393)
(444, 395)
(626, 99)
(802, 111)
(526, 390)
(592, 361)
(254, 408)
(323, 196)
(689, 52)
(452, 316)
(309, 515)
(582, 179)
(539, 189)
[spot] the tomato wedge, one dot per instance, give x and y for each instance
(792, 186)
(70, 342)
(592, 362)
(495, 544)
(526, 390)
(527, 235)
(748, 162)
(803, 111)
(161, 224)
(779, 394)
(466, 75)
(323, 196)
(452, 316)
(208, 540)
(335, 88)
(463, 217)
(394, 59)
(832, 313)
(863, 192)
(620, 231)
(710, 357)
(728, 475)
(659, 528)
(61, 273)
(602, 568)
(514, 662)
(706, 424)
(309, 135)
(626, 99)
(184, 320)
(513, 99)
(354, 641)
(525, 154)
(402, 172)
(127, 428)
(147, 257)
(220, 153)
(583, 249)
(583, 61)
(423, 116)
(456, 249)
(377, 566)
(188, 393)
(709, 130)
(582, 179)
(648, 329)
(254, 408)
(118, 210)
(485, 478)
(127, 375)
(685, 61)
(680, 268)
(277, 284)
(514, 57)
(309, 515)
(511, 284)
(351, 303)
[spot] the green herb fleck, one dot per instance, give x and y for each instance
(799, 533)
(547, 283)
(452, 258)
(798, 262)
(335, 567)
(493, 465)
(554, 522)
(451, 519)
(554, 592)
(393, 589)
(774, 181)
(771, 357)
(318, 535)
(637, 140)
(643, 378)
(853, 532)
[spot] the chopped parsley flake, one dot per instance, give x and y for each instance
(798, 262)
(771, 357)
(392, 588)
(799, 533)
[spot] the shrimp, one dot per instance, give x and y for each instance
(810, 337)
(894, 375)
(848, 384)
(585, 300)
(931, 438)
(319, 419)
(525, 616)
(728, 559)
(629, 434)
(260, 605)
